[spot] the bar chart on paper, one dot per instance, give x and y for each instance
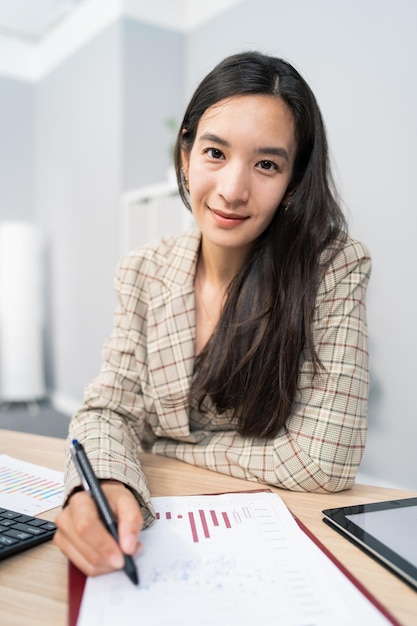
(202, 524)
(29, 488)
(226, 559)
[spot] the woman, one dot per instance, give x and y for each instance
(242, 346)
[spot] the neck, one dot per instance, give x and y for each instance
(219, 265)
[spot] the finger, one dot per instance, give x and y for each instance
(86, 564)
(81, 532)
(94, 536)
(129, 517)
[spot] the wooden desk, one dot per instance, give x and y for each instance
(33, 585)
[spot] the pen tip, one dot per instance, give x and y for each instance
(74, 442)
(131, 570)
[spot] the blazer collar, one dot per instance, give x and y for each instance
(181, 262)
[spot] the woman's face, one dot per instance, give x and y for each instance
(239, 168)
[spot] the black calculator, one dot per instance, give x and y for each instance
(19, 532)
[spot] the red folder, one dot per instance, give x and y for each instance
(76, 584)
(77, 580)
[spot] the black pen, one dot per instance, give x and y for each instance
(91, 484)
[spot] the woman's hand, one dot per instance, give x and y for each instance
(83, 538)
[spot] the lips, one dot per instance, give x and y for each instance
(229, 216)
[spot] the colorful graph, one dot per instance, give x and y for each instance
(29, 488)
(12, 481)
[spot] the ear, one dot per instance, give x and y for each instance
(185, 158)
(185, 163)
(286, 200)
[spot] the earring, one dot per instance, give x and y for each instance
(287, 206)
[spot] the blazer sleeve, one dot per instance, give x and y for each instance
(321, 445)
(110, 422)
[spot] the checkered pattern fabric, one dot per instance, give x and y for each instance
(137, 401)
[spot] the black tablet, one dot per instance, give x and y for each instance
(387, 530)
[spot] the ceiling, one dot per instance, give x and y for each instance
(32, 20)
(37, 35)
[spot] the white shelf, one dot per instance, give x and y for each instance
(149, 213)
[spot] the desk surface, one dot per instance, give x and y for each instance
(33, 585)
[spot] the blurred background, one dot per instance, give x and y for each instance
(91, 93)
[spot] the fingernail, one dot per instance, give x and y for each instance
(129, 543)
(116, 560)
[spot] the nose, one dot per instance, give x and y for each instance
(233, 184)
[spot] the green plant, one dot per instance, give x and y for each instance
(171, 124)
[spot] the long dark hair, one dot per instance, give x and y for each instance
(251, 363)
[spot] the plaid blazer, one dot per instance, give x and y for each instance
(149, 358)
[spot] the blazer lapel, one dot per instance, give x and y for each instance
(171, 337)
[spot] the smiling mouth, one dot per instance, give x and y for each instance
(229, 216)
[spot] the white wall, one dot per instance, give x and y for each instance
(152, 92)
(99, 130)
(78, 182)
(16, 149)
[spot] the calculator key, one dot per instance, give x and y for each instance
(36, 522)
(23, 518)
(7, 541)
(16, 534)
(10, 514)
(6, 522)
(32, 530)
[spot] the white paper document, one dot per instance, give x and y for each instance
(227, 560)
(29, 488)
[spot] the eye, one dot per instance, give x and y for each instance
(214, 153)
(267, 165)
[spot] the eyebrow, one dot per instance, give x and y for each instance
(215, 138)
(265, 150)
(281, 152)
